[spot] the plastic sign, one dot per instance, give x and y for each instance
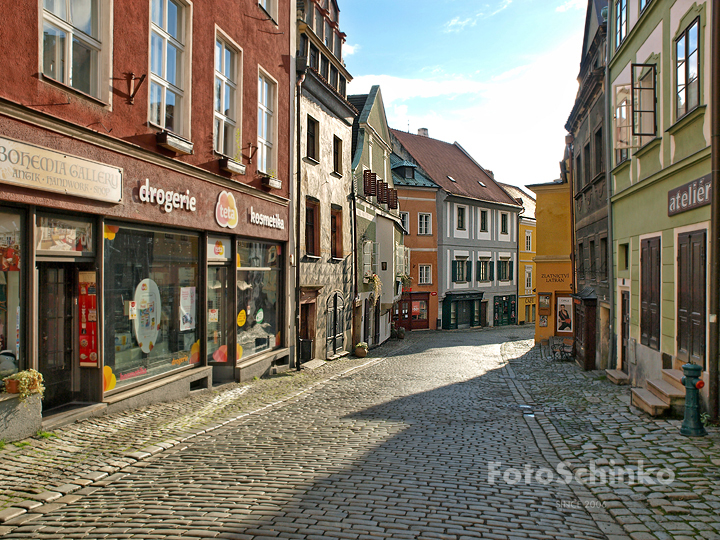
(167, 199)
(226, 212)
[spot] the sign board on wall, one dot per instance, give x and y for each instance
(690, 196)
(218, 249)
(36, 167)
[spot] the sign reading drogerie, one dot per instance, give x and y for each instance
(690, 196)
(35, 167)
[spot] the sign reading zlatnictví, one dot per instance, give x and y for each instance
(35, 167)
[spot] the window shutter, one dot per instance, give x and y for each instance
(510, 270)
(468, 270)
(478, 266)
(499, 269)
(454, 271)
(491, 269)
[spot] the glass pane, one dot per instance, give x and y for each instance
(84, 16)
(692, 67)
(217, 135)
(218, 56)
(56, 234)
(218, 95)
(159, 272)
(261, 129)
(171, 112)
(173, 64)
(11, 241)
(229, 140)
(680, 49)
(157, 12)
(228, 101)
(57, 7)
(54, 53)
(692, 94)
(229, 65)
(693, 38)
(84, 62)
(156, 92)
(268, 126)
(156, 54)
(217, 306)
(173, 20)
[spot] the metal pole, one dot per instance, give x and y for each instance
(298, 159)
(715, 219)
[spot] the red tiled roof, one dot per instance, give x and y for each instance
(442, 160)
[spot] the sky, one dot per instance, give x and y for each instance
(497, 76)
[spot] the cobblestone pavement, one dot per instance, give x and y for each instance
(435, 438)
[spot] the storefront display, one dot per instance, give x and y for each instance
(11, 239)
(158, 272)
(59, 234)
(259, 282)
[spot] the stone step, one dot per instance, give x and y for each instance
(674, 377)
(616, 376)
(666, 391)
(648, 402)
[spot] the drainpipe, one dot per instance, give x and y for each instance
(569, 140)
(612, 358)
(715, 219)
(354, 258)
(298, 192)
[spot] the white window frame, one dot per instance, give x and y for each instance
(487, 221)
(425, 279)
(235, 120)
(270, 7)
(421, 230)
(528, 241)
(266, 154)
(528, 279)
(464, 209)
(507, 222)
(484, 262)
(184, 46)
(101, 43)
(405, 221)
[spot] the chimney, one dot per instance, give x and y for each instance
(423, 132)
(490, 173)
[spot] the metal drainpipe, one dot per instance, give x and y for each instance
(612, 359)
(354, 258)
(298, 192)
(715, 219)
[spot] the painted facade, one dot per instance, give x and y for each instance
(380, 255)
(477, 234)
(554, 282)
(661, 163)
(325, 140)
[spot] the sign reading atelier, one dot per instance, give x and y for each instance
(35, 167)
(690, 196)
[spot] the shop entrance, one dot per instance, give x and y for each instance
(57, 313)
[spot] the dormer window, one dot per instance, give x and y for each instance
(451, 178)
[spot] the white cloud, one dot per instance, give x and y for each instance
(511, 123)
(348, 49)
(457, 25)
(505, 4)
(571, 4)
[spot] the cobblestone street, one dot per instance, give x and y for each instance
(439, 435)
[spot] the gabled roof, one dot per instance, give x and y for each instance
(452, 168)
(420, 180)
(365, 103)
(528, 200)
(593, 20)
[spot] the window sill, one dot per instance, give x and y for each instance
(78, 93)
(688, 118)
(621, 166)
(311, 161)
(171, 141)
(336, 174)
(312, 258)
(230, 165)
(336, 259)
(645, 149)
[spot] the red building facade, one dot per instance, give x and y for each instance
(144, 183)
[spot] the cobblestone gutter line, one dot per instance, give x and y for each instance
(38, 476)
(588, 420)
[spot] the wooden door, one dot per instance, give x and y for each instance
(691, 297)
(624, 329)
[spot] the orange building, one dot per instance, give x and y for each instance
(553, 263)
(418, 306)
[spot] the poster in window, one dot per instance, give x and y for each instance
(87, 308)
(564, 314)
(187, 308)
(544, 303)
(543, 320)
(147, 324)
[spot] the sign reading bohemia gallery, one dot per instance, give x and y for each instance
(690, 196)
(35, 167)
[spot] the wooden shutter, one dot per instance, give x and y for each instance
(454, 271)
(468, 270)
(650, 292)
(478, 270)
(691, 297)
(510, 270)
(393, 203)
(491, 271)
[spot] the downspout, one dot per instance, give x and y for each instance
(612, 358)
(298, 164)
(569, 139)
(354, 258)
(715, 219)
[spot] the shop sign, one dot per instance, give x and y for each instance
(167, 199)
(690, 196)
(218, 248)
(226, 212)
(35, 167)
(273, 222)
(433, 293)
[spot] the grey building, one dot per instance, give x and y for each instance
(477, 236)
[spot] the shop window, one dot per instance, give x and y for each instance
(11, 288)
(158, 271)
(260, 292)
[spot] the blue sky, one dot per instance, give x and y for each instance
(497, 76)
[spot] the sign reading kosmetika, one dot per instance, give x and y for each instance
(35, 167)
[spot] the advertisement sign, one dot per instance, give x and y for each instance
(226, 212)
(187, 308)
(218, 249)
(565, 314)
(35, 167)
(87, 307)
(147, 323)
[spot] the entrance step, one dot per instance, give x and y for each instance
(667, 392)
(616, 376)
(674, 377)
(648, 402)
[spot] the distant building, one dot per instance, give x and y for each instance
(477, 234)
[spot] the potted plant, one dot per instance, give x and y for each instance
(24, 383)
(361, 349)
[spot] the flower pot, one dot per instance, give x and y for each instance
(360, 352)
(11, 386)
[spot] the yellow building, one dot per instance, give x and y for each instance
(527, 238)
(553, 263)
